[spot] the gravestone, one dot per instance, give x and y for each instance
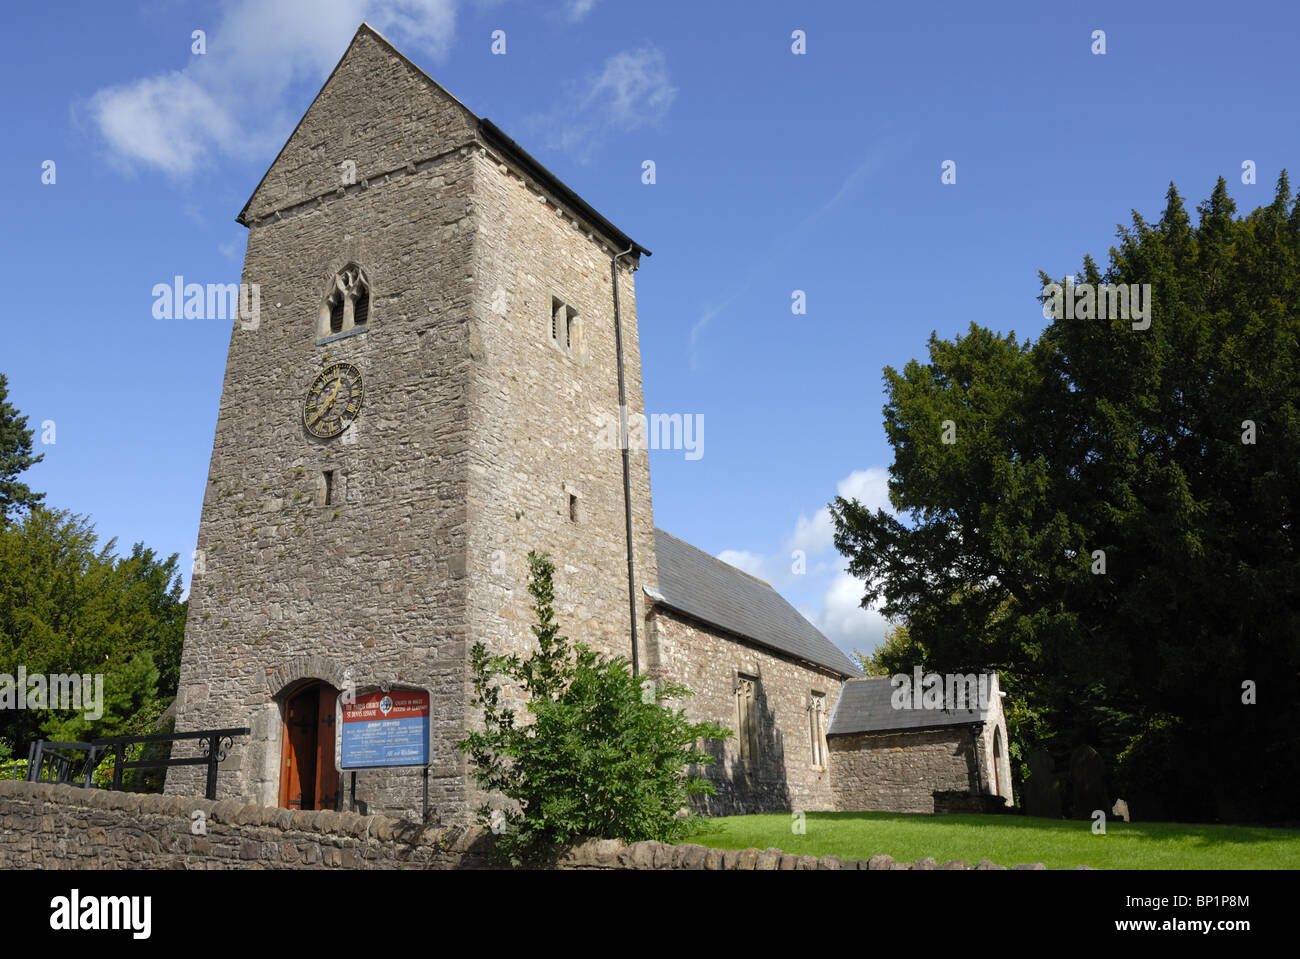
(1087, 782)
(1041, 793)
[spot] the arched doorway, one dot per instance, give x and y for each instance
(308, 778)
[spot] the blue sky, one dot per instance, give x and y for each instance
(775, 172)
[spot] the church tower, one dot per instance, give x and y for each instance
(444, 334)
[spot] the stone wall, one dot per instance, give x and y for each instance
(900, 772)
(63, 827)
(355, 120)
(995, 762)
(707, 660)
(536, 416)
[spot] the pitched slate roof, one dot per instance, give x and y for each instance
(704, 587)
(865, 706)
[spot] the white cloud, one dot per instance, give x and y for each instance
(843, 619)
(633, 90)
(705, 319)
(165, 121)
(752, 563)
(578, 9)
(867, 168)
(839, 614)
(233, 250)
(812, 535)
(233, 100)
(870, 487)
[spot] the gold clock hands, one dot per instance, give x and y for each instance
(334, 395)
(322, 409)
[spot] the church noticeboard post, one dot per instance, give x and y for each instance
(385, 729)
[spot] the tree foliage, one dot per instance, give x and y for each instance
(68, 605)
(596, 754)
(1101, 442)
(15, 457)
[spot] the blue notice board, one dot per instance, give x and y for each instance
(385, 729)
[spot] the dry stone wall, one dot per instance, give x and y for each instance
(63, 827)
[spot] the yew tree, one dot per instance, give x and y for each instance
(1106, 514)
(15, 457)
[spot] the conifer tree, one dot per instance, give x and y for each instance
(1107, 515)
(15, 457)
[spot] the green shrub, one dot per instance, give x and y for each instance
(601, 756)
(144, 723)
(11, 768)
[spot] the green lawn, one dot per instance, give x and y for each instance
(1009, 840)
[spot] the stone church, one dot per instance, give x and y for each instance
(443, 327)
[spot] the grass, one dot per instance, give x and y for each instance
(1009, 840)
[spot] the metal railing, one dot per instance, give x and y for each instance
(47, 762)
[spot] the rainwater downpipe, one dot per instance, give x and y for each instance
(627, 469)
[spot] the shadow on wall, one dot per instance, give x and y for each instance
(759, 784)
(978, 796)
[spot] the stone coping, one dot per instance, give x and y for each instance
(591, 854)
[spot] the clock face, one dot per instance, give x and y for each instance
(334, 400)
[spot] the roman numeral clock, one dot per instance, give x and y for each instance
(333, 401)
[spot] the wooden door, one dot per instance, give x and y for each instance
(308, 777)
(298, 759)
(327, 776)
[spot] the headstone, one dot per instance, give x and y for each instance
(1041, 793)
(1087, 782)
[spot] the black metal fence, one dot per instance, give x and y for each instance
(56, 762)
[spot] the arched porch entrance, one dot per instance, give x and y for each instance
(308, 778)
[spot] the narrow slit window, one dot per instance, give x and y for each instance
(746, 724)
(573, 508)
(564, 324)
(329, 487)
(817, 727)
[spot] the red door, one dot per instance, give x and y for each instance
(308, 779)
